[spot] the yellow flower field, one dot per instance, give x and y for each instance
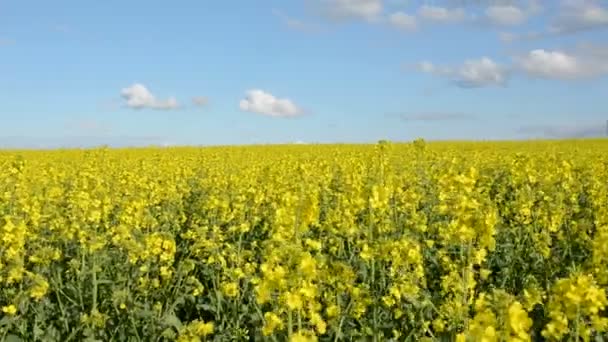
(423, 241)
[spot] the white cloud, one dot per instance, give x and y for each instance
(473, 73)
(369, 10)
(550, 64)
(561, 65)
(500, 13)
(426, 66)
(441, 14)
(505, 15)
(402, 21)
(586, 61)
(139, 97)
(579, 15)
(510, 13)
(571, 16)
(481, 72)
(200, 101)
(261, 102)
(534, 7)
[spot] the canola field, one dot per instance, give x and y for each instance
(388, 242)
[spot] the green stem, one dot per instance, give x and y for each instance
(134, 327)
(576, 329)
(80, 280)
(61, 306)
(339, 332)
(289, 324)
(299, 320)
(465, 291)
(62, 309)
(94, 307)
(373, 277)
(216, 290)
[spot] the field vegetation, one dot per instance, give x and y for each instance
(405, 242)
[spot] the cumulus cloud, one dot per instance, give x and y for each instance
(200, 101)
(579, 15)
(402, 21)
(340, 10)
(261, 102)
(139, 97)
(550, 64)
(585, 63)
(510, 13)
(505, 15)
(473, 73)
(441, 14)
(572, 16)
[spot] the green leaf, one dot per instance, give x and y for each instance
(206, 307)
(169, 334)
(173, 321)
(92, 339)
(12, 338)
(5, 321)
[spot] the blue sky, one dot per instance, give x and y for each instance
(82, 73)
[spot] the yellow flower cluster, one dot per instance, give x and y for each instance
(498, 317)
(575, 308)
(415, 241)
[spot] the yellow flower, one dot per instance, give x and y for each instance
(203, 329)
(194, 330)
(231, 289)
(319, 323)
(165, 272)
(519, 321)
(272, 322)
(40, 288)
(10, 310)
(303, 336)
(263, 293)
(332, 311)
(293, 301)
(307, 265)
(365, 253)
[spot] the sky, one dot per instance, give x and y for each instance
(186, 72)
